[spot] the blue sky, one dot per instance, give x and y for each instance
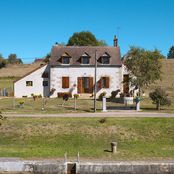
(29, 28)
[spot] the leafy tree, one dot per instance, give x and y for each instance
(47, 58)
(20, 61)
(84, 38)
(12, 59)
(160, 98)
(102, 43)
(3, 62)
(170, 55)
(144, 67)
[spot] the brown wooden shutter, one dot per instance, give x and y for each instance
(91, 84)
(107, 82)
(79, 85)
(65, 82)
(99, 84)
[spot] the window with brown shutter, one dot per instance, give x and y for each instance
(105, 82)
(65, 82)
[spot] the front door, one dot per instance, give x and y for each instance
(85, 85)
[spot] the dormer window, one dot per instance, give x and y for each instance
(65, 58)
(105, 59)
(85, 59)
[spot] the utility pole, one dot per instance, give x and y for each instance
(13, 95)
(95, 81)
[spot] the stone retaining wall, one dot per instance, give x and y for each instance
(60, 167)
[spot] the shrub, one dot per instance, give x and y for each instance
(160, 98)
(76, 96)
(102, 95)
(24, 96)
(1, 117)
(114, 93)
(102, 120)
(61, 94)
(52, 91)
(21, 103)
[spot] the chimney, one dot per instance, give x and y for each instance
(115, 41)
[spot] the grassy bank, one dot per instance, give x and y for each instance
(142, 138)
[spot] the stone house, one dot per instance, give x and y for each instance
(72, 70)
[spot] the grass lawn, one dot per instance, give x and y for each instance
(53, 106)
(138, 138)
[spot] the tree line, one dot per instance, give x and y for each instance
(12, 59)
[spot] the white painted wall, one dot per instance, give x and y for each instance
(56, 73)
(20, 88)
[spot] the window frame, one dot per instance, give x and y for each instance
(29, 83)
(105, 57)
(43, 83)
(82, 60)
(63, 58)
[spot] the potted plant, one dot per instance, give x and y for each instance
(21, 103)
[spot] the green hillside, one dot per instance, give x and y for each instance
(167, 81)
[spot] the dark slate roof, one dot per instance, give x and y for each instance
(75, 52)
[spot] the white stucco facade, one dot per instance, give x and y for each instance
(56, 74)
(37, 88)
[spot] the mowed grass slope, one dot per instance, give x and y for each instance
(167, 81)
(138, 138)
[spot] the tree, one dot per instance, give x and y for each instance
(3, 62)
(47, 58)
(170, 55)
(84, 38)
(12, 59)
(160, 98)
(144, 67)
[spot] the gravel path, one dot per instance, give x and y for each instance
(98, 114)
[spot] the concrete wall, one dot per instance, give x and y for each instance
(127, 168)
(20, 88)
(59, 167)
(114, 73)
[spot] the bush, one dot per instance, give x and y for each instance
(160, 98)
(21, 103)
(114, 93)
(76, 96)
(61, 94)
(103, 120)
(102, 95)
(1, 117)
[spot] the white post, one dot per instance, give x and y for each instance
(104, 104)
(138, 104)
(95, 81)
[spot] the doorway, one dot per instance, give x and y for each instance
(85, 85)
(71, 168)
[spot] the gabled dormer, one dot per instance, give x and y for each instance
(104, 59)
(65, 58)
(85, 59)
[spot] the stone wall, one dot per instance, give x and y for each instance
(60, 167)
